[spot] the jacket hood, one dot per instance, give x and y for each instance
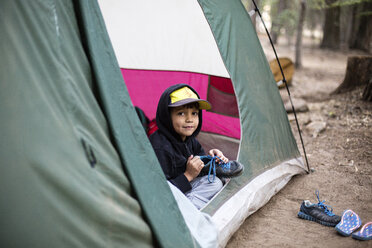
(163, 117)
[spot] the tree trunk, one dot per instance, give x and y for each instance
(367, 94)
(356, 8)
(346, 24)
(358, 72)
(363, 29)
(331, 28)
(276, 24)
(298, 62)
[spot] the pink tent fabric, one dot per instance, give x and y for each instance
(146, 86)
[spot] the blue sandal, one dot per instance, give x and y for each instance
(350, 221)
(365, 232)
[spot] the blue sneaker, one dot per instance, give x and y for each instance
(350, 221)
(221, 169)
(318, 212)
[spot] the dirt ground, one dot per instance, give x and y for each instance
(337, 132)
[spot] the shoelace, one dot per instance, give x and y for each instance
(212, 168)
(324, 206)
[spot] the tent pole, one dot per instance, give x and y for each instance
(286, 85)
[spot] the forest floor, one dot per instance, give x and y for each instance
(337, 133)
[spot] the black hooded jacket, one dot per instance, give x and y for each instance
(171, 151)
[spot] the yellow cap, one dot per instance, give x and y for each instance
(184, 96)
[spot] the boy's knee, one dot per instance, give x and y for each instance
(217, 183)
(209, 185)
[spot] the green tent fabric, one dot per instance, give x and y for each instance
(76, 170)
(267, 138)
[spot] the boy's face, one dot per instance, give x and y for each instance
(185, 120)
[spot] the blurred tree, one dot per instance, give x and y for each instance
(314, 16)
(302, 14)
(331, 28)
(289, 21)
(284, 17)
(348, 24)
(361, 29)
(277, 18)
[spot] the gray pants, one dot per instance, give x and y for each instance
(202, 190)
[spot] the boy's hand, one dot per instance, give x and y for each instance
(193, 167)
(218, 153)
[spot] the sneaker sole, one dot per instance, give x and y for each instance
(234, 175)
(238, 173)
(304, 216)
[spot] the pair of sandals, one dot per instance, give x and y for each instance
(350, 222)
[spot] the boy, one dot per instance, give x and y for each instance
(179, 120)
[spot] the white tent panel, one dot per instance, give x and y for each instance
(162, 35)
(231, 215)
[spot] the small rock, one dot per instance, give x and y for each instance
(316, 107)
(316, 127)
(315, 117)
(346, 163)
(306, 120)
(298, 103)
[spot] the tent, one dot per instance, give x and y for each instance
(212, 46)
(77, 167)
